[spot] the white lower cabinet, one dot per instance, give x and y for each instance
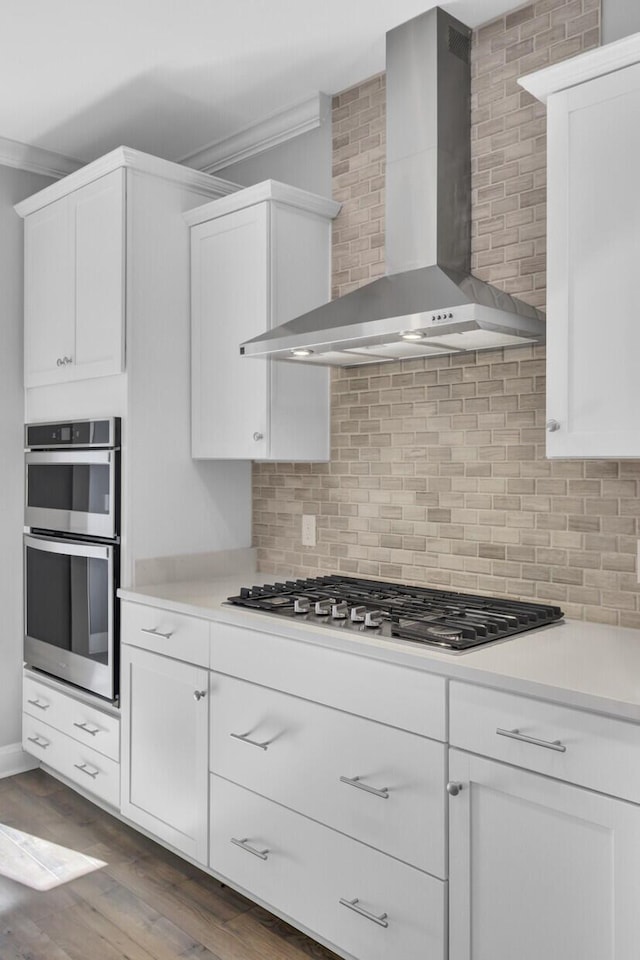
(539, 868)
(164, 748)
(71, 737)
(368, 905)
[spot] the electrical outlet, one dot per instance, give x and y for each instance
(308, 530)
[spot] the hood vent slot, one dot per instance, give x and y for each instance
(459, 45)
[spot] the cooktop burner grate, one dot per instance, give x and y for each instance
(442, 618)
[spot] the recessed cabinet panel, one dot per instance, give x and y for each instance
(593, 388)
(49, 334)
(99, 256)
(539, 868)
(230, 295)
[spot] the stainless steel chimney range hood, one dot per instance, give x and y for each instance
(428, 303)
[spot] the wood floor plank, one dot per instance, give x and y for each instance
(146, 903)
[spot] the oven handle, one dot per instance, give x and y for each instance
(68, 456)
(73, 548)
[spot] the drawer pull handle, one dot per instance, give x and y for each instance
(39, 742)
(85, 769)
(245, 738)
(40, 706)
(245, 845)
(84, 726)
(157, 633)
(516, 735)
(355, 906)
(357, 782)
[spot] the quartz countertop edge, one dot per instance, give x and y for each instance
(574, 663)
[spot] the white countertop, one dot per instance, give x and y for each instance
(587, 665)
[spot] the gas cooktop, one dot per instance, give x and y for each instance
(439, 618)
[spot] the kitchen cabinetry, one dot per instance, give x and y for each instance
(538, 867)
(258, 258)
(74, 284)
(73, 737)
(334, 820)
(165, 729)
(593, 214)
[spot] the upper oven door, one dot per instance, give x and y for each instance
(72, 491)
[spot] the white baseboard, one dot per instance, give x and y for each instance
(14, 760)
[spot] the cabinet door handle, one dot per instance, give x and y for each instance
(516, 735)
(84, 767)
(453, 789)
(354, 905)
(39, 742)
(552, 425)
(156, 633)
(86, 728)
(199, 694)
(245, 738)
(245, 845)
(40, 706)
(258, 436)
(357, 782)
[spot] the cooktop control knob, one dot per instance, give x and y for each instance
(323, 607)
(340, 610)
(301, 605)
(358, 613)
(373, 618)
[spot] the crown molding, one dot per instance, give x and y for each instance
(586, 66)
(267, 190)
(22, 156)
(136, 160)
(255, 139)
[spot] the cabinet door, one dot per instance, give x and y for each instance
(164, 749)
(593, 388)
(229, 304)
(98, 212)
(539, 868)
(49, 333)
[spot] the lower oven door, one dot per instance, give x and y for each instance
(70, 611)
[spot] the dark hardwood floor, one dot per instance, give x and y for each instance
(145, 904)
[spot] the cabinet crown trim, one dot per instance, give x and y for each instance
(267, 190)
(586, 66)
(134, 159)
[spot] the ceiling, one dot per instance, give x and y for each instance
(81, 77)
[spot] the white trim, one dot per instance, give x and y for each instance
(126, 157)
(586, 66)
(255, 139)
(14, 760)
(36, 160)
(267, 190)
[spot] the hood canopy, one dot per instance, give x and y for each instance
(429, 303)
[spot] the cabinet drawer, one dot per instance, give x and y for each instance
(160, 631)
(91, 770)
(304, 870)
(296, 753)
(100, 731)
(399, 696)
(599, 752)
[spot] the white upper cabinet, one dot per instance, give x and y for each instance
(74, 284)
(593, 335)
(258, 258)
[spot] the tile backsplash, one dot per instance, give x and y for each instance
(437, 472)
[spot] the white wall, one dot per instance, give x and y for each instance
(303, 162)
(619, 19)
(15, 185)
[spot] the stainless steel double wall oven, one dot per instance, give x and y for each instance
(71, 552)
